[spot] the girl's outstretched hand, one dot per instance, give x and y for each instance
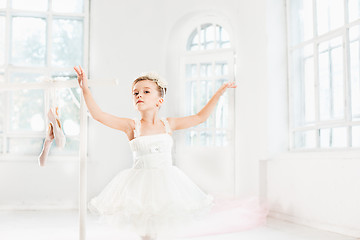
(82, 79)
(225, 86)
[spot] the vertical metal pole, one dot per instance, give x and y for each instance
(83, 132)
(235, 134)
(82, 170)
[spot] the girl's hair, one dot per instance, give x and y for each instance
(161, 90)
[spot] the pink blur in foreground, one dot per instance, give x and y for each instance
(229, 215)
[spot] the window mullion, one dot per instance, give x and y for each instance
(50, 91)
(331, 94)
(347, 75)
(27, 13)
(328, 124)
(354, 23)
(199, 33)
(49, 39)
(327, 36)
(317, 92)
(347, 84)
(316, 73)
(6, 120)
(7, 38)
(6, 76)
(215, 42)
(86, 37)
(289, 76)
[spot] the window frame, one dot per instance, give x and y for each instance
(319, 124)
(49, 85)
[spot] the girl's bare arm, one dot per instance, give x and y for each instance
(177, 123)
(123, 124)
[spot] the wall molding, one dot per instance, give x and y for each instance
(314, 224)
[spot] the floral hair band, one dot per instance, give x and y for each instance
(154, 76)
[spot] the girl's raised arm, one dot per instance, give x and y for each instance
(177, 123)
(123, 124)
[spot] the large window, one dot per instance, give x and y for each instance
(324, 37)
(208, 63)
(40, 42)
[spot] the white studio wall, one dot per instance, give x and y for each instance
(321, 191)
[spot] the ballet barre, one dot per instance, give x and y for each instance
(50, 83)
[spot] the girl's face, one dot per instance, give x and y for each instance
(146, 96)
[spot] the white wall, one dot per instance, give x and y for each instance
(24, 185)
(320, 190)
(252, 95)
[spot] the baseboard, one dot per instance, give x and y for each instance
(318, 225)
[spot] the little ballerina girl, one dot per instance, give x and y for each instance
(153, 198)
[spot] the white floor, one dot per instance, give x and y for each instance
(56, 225)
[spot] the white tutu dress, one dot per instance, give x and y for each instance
(154, 197)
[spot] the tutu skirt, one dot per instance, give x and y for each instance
(154, 202)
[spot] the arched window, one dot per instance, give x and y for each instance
(212, 36)
(207, 64)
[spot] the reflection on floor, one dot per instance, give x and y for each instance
(63, 225)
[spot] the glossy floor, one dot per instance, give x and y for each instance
(56, 225)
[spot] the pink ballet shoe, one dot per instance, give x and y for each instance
(46, 146)
(58, 133)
